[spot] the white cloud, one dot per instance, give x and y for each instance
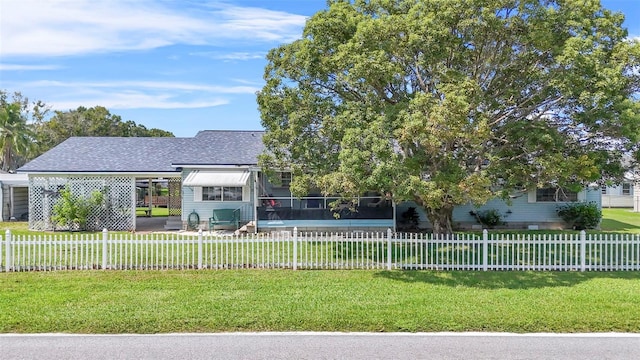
(24, 67)
(148, 85)
(71, 27)
(135, 94)
(232, 56)
(135, 100)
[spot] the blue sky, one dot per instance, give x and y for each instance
(181, 66)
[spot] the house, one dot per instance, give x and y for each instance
(14, 197)
(218, 171)
(213, 170)
(618, 196)
(634, 177)
(532, 209)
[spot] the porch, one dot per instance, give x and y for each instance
(317, 213)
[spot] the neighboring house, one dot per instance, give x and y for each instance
(14, 197)
(618, 196)
(634, 177)
(219, 170)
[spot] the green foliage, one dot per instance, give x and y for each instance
(441, 102)
(489, 217)
(95, 121)
(17, 137)
(25, 134)
(580, 215)
(72, 211)
(409, 219)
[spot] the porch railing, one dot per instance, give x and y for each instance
(323, 208)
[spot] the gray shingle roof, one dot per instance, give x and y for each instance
(144, 154)
(223, 148)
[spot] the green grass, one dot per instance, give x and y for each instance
(613, 220)
(266, 300)
(155, 211)
(282, 300)
(620, 220)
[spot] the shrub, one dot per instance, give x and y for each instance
(489, 218)
(410, 219)
(581, 215)
(73, 211)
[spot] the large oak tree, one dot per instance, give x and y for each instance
(449, 102)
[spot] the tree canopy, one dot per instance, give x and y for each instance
(95, 121)
(26, 131)
(17, 139)
(450, 102)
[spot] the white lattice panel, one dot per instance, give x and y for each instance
(116, 213)
(175, 196)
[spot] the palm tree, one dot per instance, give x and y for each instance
(16, 136)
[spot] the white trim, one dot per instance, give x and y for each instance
(532, 197)
(226, 167)
(2, 204)
(147, 175)
(197, 194)
(216, 178)
(20, 180)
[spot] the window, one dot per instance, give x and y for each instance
(626, 189)
(222, 193)
(285, 179)
(555, 195)
(604, 189)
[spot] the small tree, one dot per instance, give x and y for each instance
(73, 211)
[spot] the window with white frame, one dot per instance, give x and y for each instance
(603, 189)
(626, 189)
(221, 193)
(555, 195)
(285, 179)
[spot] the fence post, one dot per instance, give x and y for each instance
(199, 249)
(105, 238)
(583, 250)
(295, 248)
(485, 250)
(389, 252)
(7, 249)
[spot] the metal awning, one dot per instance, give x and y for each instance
(216, 178)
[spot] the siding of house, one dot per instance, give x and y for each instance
(613, 197)
(204, 209)
(520, 213)
(14, 196)
(16, 205)
(20, 201)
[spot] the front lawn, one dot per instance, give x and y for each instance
(620, 220)
(282, 300)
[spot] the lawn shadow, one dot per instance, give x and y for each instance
(503, 279)
(615, 225)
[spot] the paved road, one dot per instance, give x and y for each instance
(321, 346)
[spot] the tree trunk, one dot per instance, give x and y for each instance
(440, 219)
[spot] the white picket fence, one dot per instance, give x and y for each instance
(293, 250)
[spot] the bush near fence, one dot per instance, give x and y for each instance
(294, 250)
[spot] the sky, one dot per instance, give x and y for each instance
(176, 65)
